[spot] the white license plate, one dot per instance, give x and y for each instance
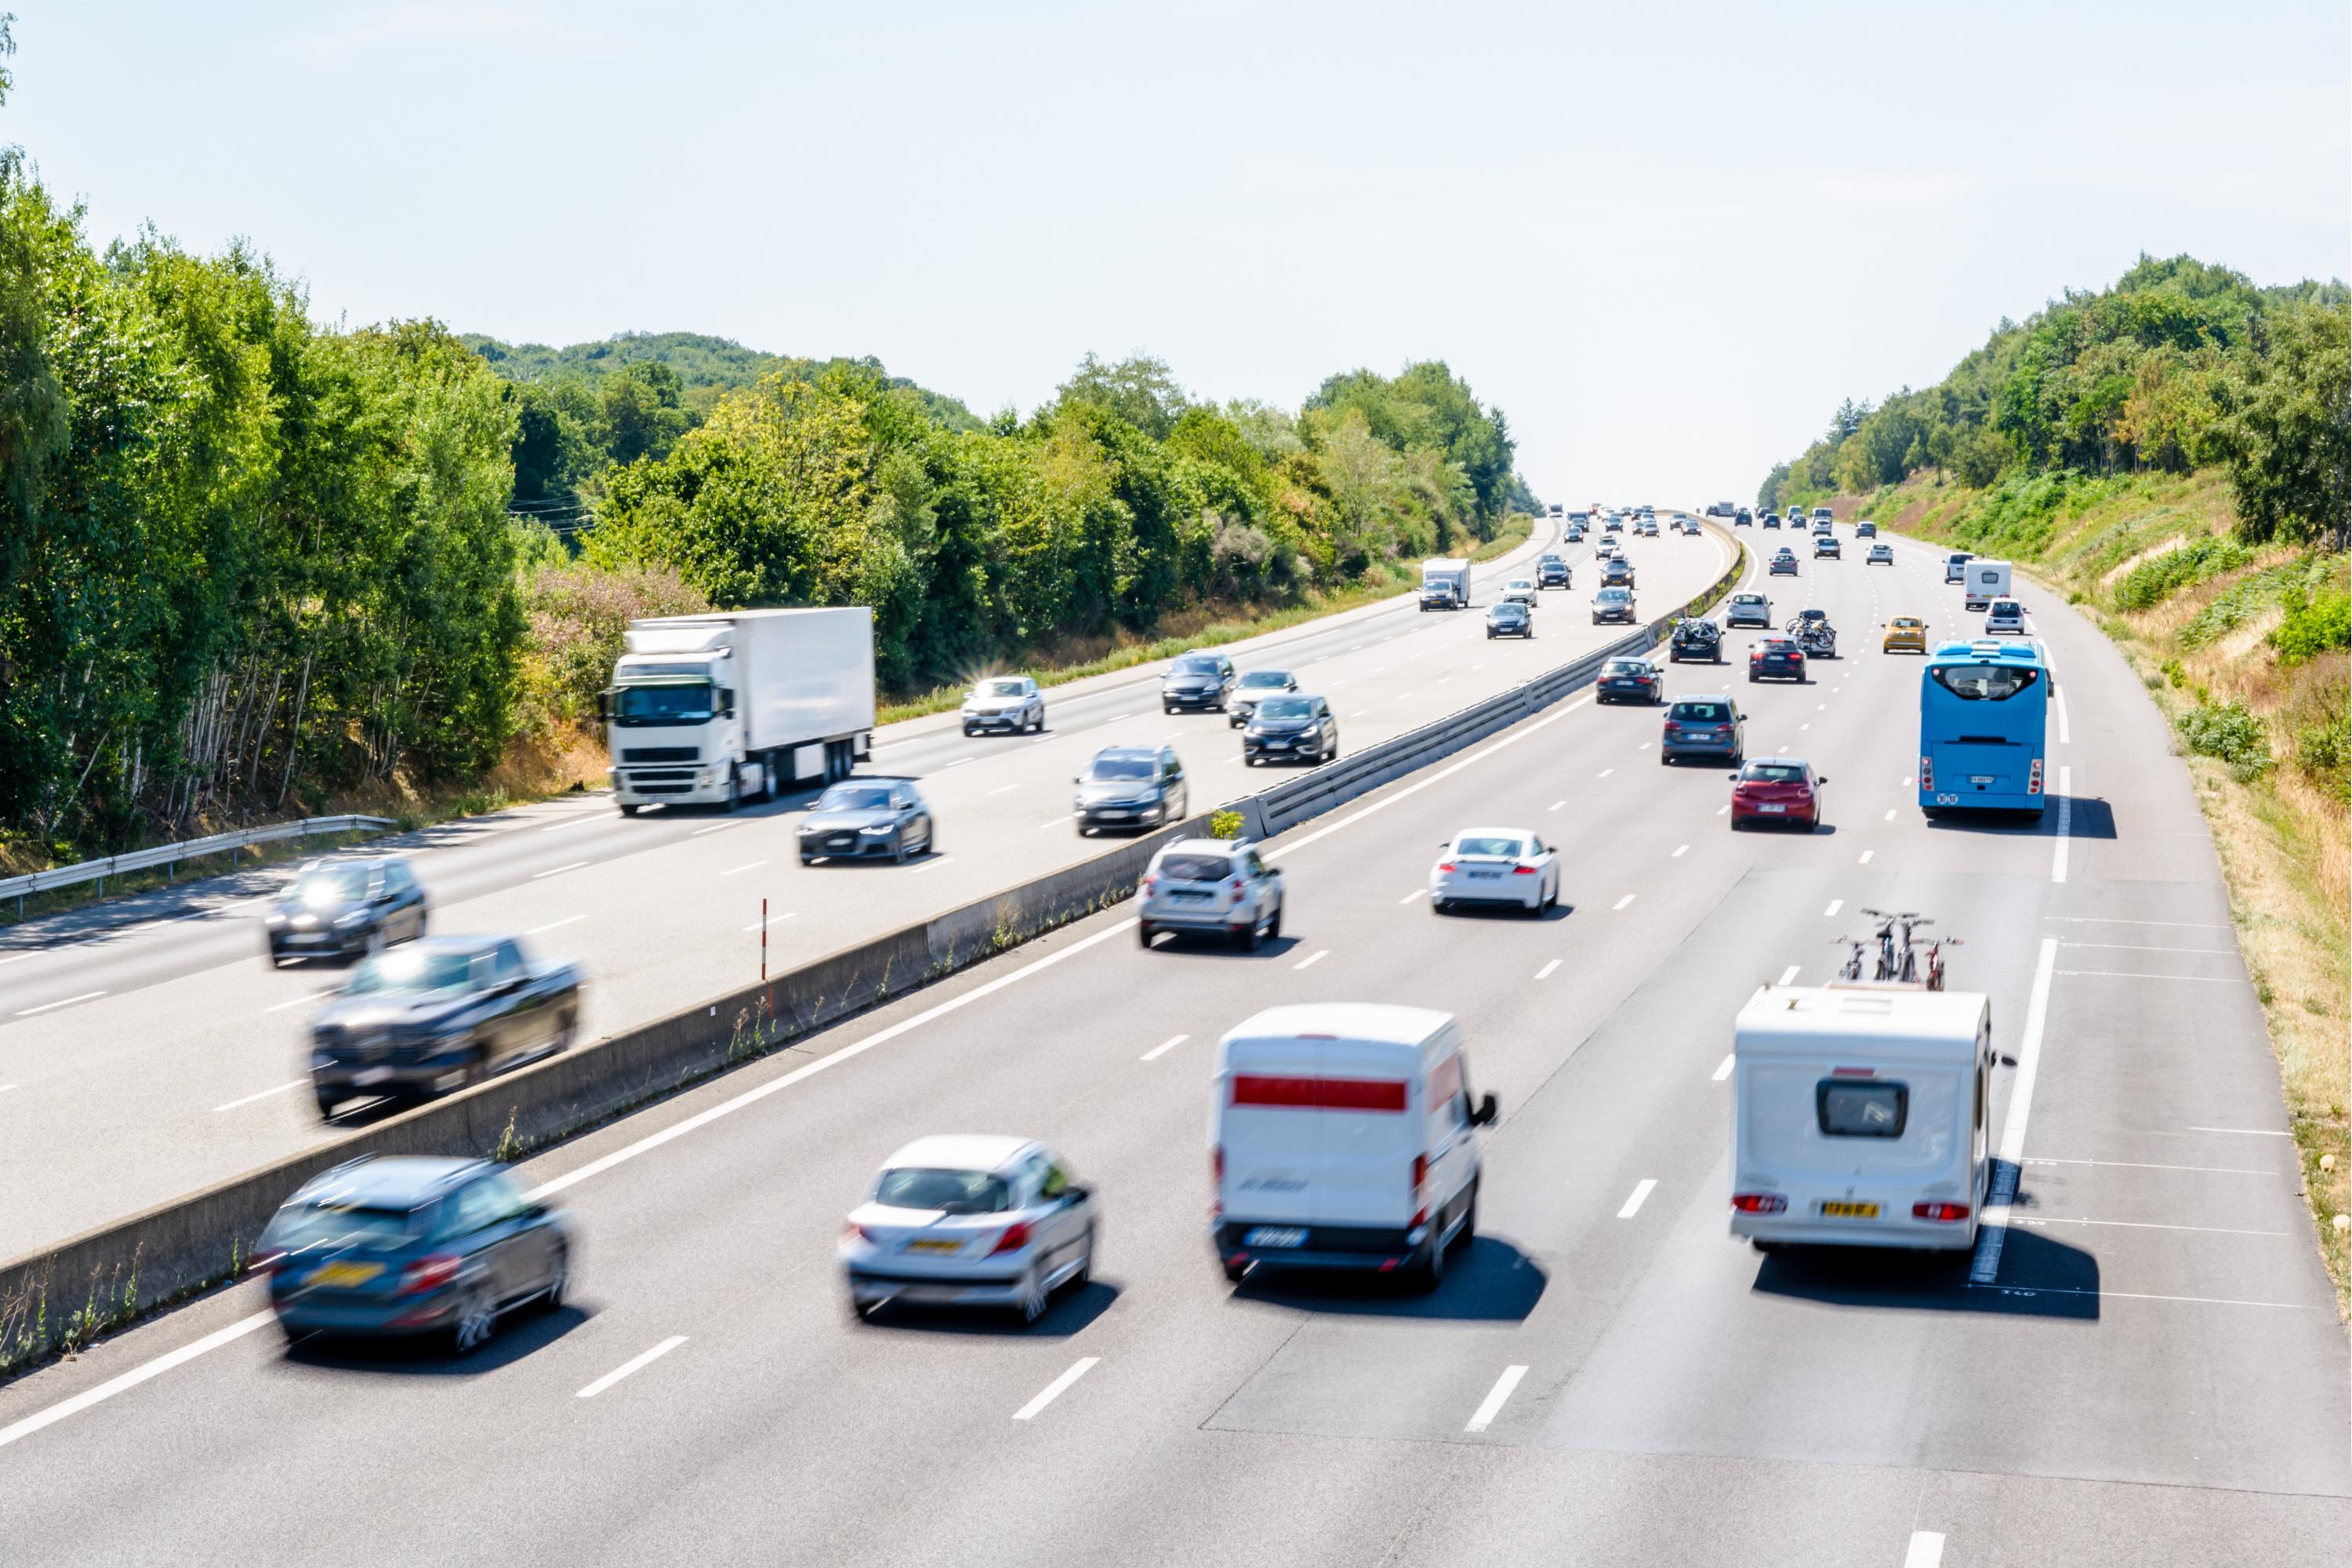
(1981, 779)
(368, 1076)
(1484, 876)
(1275, 1236)
(1772, 808)
(1110, 812)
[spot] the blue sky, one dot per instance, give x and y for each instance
(1666, 239)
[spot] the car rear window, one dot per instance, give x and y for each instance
(1625, 667)
(951, 1192)
(1488, 844)
(1773, 772)
(1847, 1108)
(1194, 666)
(1705, 712)
(1195, 867)
(343, 1225)
(1265, 678)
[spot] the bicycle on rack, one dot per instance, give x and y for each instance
(1902, 959)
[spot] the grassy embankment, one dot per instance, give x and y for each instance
(2242, 651)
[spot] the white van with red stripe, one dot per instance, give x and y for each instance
(1341, 1138)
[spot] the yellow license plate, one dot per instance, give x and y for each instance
(934, 1246)
(1850, 1211)
(345, 1275)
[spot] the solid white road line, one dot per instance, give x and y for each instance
(1633, 1204)
(2146, 1225)
(1320, 952)
(559, 871)
(2111, 920)
(2065, 824)
(1416, 893)
(2144, 1165)
(1835, 905)
(133, 1378)
(928, 864)
(1623, 902)
(1995, 1230)
(1054, 1389)
(747, 866)
(634, 1364)
(1927, 1550)
(1056, 823)
(1163, 1047)
(589, 817)
(1492, 1405)
(1546, 972)
(773, 920)
(1788, 975)
(1680, 851)
(2143, 947)
(20, 958)
(1724, 1071)
(2138, 974)
(2249, 1131)
(265, 1094)
(550, 925)
(50, 1006)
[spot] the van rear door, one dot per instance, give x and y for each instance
(1367, 1139)
(1270, 1134)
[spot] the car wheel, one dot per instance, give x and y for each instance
(1469, 1231)
(372, 944)
(628, 810)
(559, 1282)
(478, 1320)
(1084, 1276)
(969, 731)
(1144, 934)
(808, 860)
(1035, 1297)
(327, 1103)
(1664, 759)
(561, 1041)
(899, 847)
(1234, 1272)
(1249, 936)
(1430, 1271)
(1273, 926)
(477, 1069)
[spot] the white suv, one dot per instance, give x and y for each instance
(1214, 887)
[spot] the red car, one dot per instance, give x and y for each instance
(1777, 790)
(1776, 656)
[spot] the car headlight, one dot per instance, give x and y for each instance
(878, 827)
(274, 918)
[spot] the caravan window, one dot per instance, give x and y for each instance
(1847, 1108)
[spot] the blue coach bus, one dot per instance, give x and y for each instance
(1983, 707)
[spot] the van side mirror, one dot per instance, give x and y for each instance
(1484, 1116)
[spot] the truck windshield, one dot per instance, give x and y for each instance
(663, 705)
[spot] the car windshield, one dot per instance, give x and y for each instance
(1256, 678)
(1508, 612)
(1194, 666)
(1773, 772)
(1775, 645)
(998, 688)
(1548, 560)
(949, 1191)
(1195, 867)
(664, 704)
(854, 797)
(1285, 708)
(1487, 844)
(332, 885)
(1705, 712)
(1615, 595)
(411, 970)
(1111, 768)
(332, 1225)
(1983, 682)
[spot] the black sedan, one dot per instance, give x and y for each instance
(1297, 729)
(341, 909)
(439, 1014)
(1510, 619)
(1630, 681)
(1777, 658)
(412, 1245)
(866, 818)
(1695, 640)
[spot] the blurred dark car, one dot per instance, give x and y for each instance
(1742, 517)
(1129, 786)
(1695, 640)
(1784, 563)
(411, 1246)
(1630, 681)
(438, 1014)
(1510, 619)
(1703, 727)
(1197, 680)
(1779, 657)
(1252, 688)
(1617, 573)
(341, 909)
(1551, 572)
(860, 817)
(1777, 790)
(1772, 519)
(1300, 729)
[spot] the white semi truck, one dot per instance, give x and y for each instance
(1445, 585)
(738, 705)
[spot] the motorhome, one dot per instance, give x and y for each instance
(1445, 585)
(1985, 582)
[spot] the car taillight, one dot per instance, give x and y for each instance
(1942, 1214)
(1015, 1237)
(1237, 887)
(1758, 1203)
(429, 1273)
(2033, 778)
(1150, 883)
(851, 1231)
(1673, 728)
(1926, 773)
(1523, 871)
(1445, 865)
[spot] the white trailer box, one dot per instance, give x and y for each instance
(1986, 581)
(1445, 583)
(739, 704)
(1858, 1117)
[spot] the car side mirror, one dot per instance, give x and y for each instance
(2007, 1061)
(1076, 1195)
(1821, 781)
(1484, 1116)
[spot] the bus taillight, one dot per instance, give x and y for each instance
(2034, 779)
(1927, 773)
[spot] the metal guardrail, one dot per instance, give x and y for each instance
(169, 856)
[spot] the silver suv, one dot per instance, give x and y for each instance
(1214, 887)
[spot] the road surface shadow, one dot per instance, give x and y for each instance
(2087, 817)
(1071, 1312)
(1488, 1281)
(2040, 1276)
(523, 1331)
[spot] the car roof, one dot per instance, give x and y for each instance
(1496, 833)
(1200, 847)
(961, 1151)
(1141, 754)
(475, 943)
(1375, 1023)
(389, 1180)
(1703, 697)
(1784, 761)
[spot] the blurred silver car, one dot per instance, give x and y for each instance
(971, 1220)
(1008, 702)
(1213, 887)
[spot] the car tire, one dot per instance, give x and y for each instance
(1248, 938)
(1273, 926)
(1086, 1274)
(558, 1283)
(1236, 1272)
(628, 810)
(561, 1042)
(899, 847)
(1144, 934)
(1036, 1299)
(807, 860)
(969, 731)
(327, 1103)
(1469, 1231)
(1429, 1272)
(477, 1322)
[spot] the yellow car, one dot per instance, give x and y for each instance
(1906, 634)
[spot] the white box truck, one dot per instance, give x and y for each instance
(1858, 1117)
(1445, 585)
(1985, 582)
(738, 705)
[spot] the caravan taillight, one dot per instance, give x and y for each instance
(1942, 1214)
(1758, 1203)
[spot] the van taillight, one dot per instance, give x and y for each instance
(2033, 778)
(1758, 1203)
(1217, 1164)
(1420, 1173)
(1926, 773)
(1943, 1214)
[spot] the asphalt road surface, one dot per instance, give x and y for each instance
(2155, 1375)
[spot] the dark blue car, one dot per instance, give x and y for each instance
(409, 1245)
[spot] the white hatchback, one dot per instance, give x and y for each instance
(2006, 618)
(969, 1220)
(1495, 866)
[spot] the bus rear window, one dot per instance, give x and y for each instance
(1983, 682)
(1848, 1108)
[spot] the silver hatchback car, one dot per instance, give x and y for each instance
(969, 1220)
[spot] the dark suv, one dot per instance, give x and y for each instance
(1695, 640)
(1551, 572)
(445, 1013)
(1131, 786)
(1197, 680)
(342, 908)
(1293, 728)
(1704, 727)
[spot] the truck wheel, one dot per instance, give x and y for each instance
(734, 787)
(628, 810)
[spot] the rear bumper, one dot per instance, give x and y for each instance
(993, 1289)
(1121, 815)
(1724, 748)
(1900, 1233)
(1370, 1249)
(1221, 919)
(1011, 724)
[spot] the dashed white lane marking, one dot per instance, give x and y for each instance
(1163, 1047)
(747, 866)
(2065, 824)
(559, 871)
(1806, 725)
(1416, 893)
(634, 1364)
(1723, 1070)
(1056, 1389)
(1721, 809)
(1680, 851)
(1492, 1405)
(1318, 954)
(1890, 814)
(1056, 823)
(1640, 1191)
(931, 863)
(52, 1006)
(1555, 806)
(772, 920)
(568, 919)
(1865, 857)
(714, 827)
(313, 996)
(589, 817)
(1788, 975)
(1604, 772)
(1835, 905)
(1927, 1550)
(265, 1094)
(1623, 902)
(1545, 972)
(134, 1377)
(1000, 789)
(1995, 1230)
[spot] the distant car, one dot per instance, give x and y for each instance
(1749, 610)
(1647, 528)
(1879, 553)
(1779, 659)
(1293, 727)
(1777, 790)
(438, 1014)
(1628, 681)
(1510, 619)
(1198, 681)
(2005, 619)
(412, 1245)
(1575, 533)
(1209, 886)
(1008, 702)
(1615, 525)
(865, 817)
(1825, 548)
(1551, 572)
(1772, 519)
(969, 1220)
(1253, 687)
(1692, 639)
(1742, 517)
(1866, 529)
(1495, 866)
(1520, 590)
(1617, 573)
(341, 909)
(1614, 604)
(1784, 564)
(1821, 526)
(1956, 566)
(1703, 727)
(1130, 786)
(1904, 634)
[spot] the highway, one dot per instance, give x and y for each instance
(154, 1030)
(2155, 1375)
